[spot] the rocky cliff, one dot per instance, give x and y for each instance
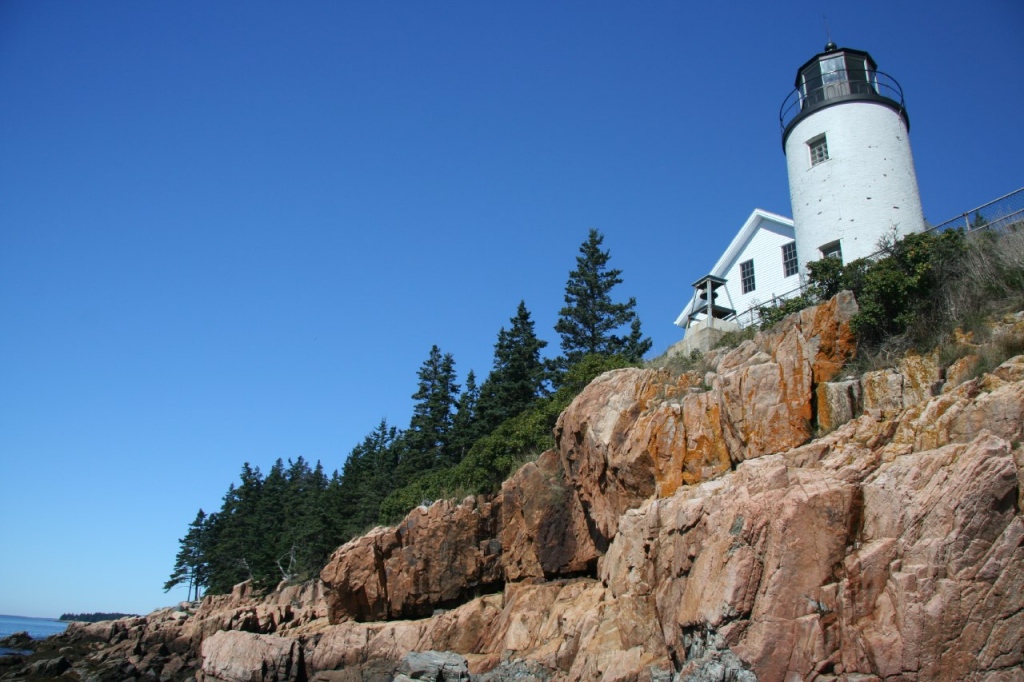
(767, 519)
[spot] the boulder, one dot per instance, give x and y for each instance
(434, 666)
(232, 656)
(632, 434)
(17, 640)
(608, 471)
(915, 380)
(960, 371)
(838, 403)
(50, 667)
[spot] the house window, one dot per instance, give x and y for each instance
(747, 276)
(819, 150)
(832, 250)
(789, 262)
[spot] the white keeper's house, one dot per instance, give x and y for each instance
(845, 133)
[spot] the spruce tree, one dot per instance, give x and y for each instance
(190, 564)
(466, 424)
(233, 541)
(311, 528)
(518, 376)
(366, 479)
(271, 548)
(428, 439)
(303, 522)
(590, 318)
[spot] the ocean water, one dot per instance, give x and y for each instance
(37, 628)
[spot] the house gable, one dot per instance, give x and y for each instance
(758, 244)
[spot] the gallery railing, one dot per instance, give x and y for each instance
(843, 85)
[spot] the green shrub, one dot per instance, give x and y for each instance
(899, 291)
(771, 314)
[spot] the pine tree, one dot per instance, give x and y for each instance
(466, 424)
(635, 345)
(302, 523)
(190, 563)
(518, 376)
(310, 524)
(232, 542)
(589, 319)
(429, 436)
(366, 479)
(271, 529)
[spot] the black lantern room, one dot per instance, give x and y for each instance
(835, 76)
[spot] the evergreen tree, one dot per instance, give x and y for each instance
(466, 424)
(589, 319)
(308, 518)
(518, 376)
(635, 345)
(299, 521)
(190, 564)
(366, 479)
(428, 439)
(271, 529)
(232, 541)
(321, 538)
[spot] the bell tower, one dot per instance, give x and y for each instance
(845, 132)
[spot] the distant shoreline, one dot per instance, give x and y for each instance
(93, 617)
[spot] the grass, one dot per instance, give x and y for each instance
(680, 364)
(733, 339)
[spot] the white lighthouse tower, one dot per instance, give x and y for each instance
(851, 173)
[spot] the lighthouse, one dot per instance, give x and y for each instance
(845, 132)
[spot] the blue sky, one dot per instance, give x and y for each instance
(232, 231)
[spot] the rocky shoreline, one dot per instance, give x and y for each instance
(768, 518)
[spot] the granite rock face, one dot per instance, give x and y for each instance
(436, 555)
(544, 530)
(636, 433)
(865, 566)
(685, 527)
(728, 542)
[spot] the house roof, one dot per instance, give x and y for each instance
(755, 222)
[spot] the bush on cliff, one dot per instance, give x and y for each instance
(922, 287)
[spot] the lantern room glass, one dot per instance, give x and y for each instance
(836, 75)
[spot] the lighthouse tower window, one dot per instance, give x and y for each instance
(819, 149)
(832, 250)
(747, 276)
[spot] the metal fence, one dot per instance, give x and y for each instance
(1004, 213)
(752, 314)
